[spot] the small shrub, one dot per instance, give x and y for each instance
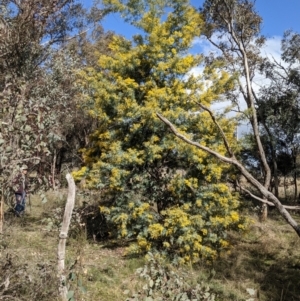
(85, 218)
(20, 280)
(164, 284)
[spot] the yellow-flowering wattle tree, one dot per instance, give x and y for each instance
(166, 194)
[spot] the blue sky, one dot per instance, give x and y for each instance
(278, 16)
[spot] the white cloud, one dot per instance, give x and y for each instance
(271, 50)
(204, 46)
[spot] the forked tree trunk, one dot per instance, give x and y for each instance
(276, 180)
(63, 290)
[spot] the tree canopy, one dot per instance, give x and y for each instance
(37, 91)
(166, 194)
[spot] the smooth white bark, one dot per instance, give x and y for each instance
(233, 161)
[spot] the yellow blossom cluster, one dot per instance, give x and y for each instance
(175, 217)
(140, 210)
(135, 161)
(155, 230)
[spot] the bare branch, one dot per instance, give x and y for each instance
(265, 201)
(67, 39)
(233, 161)
(182, 137)
(219, 128)
(5, 297)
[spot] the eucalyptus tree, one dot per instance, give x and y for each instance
(233, 27)
(279, 108)
(37, 76)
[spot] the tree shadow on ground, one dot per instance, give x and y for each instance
(266, 258)
(282, 282)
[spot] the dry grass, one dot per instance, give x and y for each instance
(266, 258)
(102, 270)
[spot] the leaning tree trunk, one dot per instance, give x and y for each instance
(63, 290)
(268, 197)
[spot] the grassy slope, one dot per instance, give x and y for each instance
(266, 258)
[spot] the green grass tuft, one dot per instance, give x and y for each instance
(265, 259)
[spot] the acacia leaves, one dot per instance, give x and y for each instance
(163, 193)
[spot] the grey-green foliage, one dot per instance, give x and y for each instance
(37, 85)
(20, 281)
(165, 284)
(74, 284)
(54, 219)
(35, 120)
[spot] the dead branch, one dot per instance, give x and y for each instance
(219, 128)
(5, 297)
(233, 161)
(265, 201)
